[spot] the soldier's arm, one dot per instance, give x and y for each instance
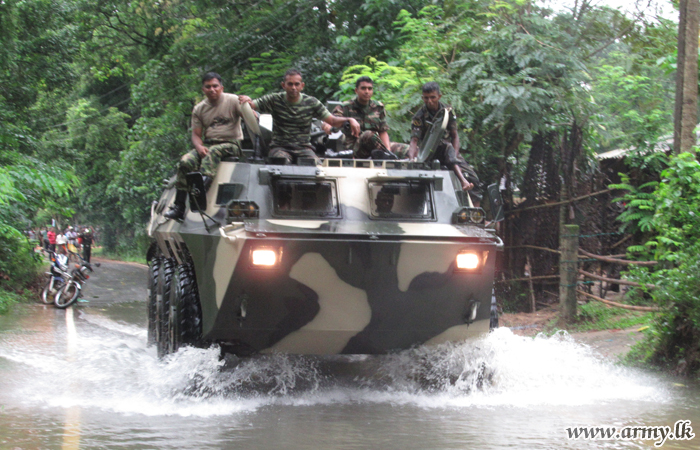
(455, 139)
(197, 142)
(413, 148)
(337, 111)
(416, 136)
(340, 121)
(242, 99)
(384, 136)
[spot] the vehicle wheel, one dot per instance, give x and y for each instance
(494, 312)
(151, 302)
(189, 308)
(185, 315)
(165, 275)
(67, 295)
(173, 332)
(49, 291)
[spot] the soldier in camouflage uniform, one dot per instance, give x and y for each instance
(216, 132)
(372, 119)
(292, 113)
(447, 151)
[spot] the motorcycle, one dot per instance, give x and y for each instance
(56, 277)
(72, 290)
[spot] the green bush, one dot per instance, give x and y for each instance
(672, 217)
(674, 340)
(18, 264)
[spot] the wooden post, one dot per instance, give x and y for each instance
(533, 303)
(568, 272)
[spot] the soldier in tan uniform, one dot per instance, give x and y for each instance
(216, 132)
(372, 119)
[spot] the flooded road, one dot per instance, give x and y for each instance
(84, 378)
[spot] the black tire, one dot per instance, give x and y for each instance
(67, 295)
(50, 289)
(185, 314)
(151, 302)
(165, 275)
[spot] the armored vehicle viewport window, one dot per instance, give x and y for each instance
(308, 198)
(409, 199)
(228, 192)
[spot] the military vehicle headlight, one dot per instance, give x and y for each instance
(265, 258)
(468, 215)
(468, 261)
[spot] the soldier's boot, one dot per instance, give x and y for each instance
(380, 153)
(177, 211)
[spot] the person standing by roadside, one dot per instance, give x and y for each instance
(61, 242)
(51, 236)
(87, 238)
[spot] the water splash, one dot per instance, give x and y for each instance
(112, 369)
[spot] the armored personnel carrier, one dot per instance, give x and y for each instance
(349, 257)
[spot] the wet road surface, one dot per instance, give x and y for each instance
(84, 378)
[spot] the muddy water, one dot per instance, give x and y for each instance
(84, 378)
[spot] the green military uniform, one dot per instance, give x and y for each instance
(221, 133)
(292, 124)
(372, 120)
(445, 152)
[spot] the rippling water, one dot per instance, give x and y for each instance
(83, 379)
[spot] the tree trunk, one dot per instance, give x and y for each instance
(686, 115)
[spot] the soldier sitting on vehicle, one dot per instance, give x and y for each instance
(292, 114)
(447, 151)
(216, 132)
(372, 119)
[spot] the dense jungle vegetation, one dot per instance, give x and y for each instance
(96, 100)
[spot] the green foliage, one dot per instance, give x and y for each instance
(640, 204)
(636, 111)
(676, 220)
(673, 343)
(674, 229)
(265, 75)
(597, 316)
(7, 299)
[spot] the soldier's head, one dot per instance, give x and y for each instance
(431, 95)
(364, 88)
(293, 84)
(384, 201)
(212, 86)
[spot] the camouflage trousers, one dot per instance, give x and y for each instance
(369, 140)
(292, 153)
(192, 162)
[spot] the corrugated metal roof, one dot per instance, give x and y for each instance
(664, 144)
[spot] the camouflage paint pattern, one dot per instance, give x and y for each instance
(349, 284)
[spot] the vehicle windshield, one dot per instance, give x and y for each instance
(406, 199)
(309, 198)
